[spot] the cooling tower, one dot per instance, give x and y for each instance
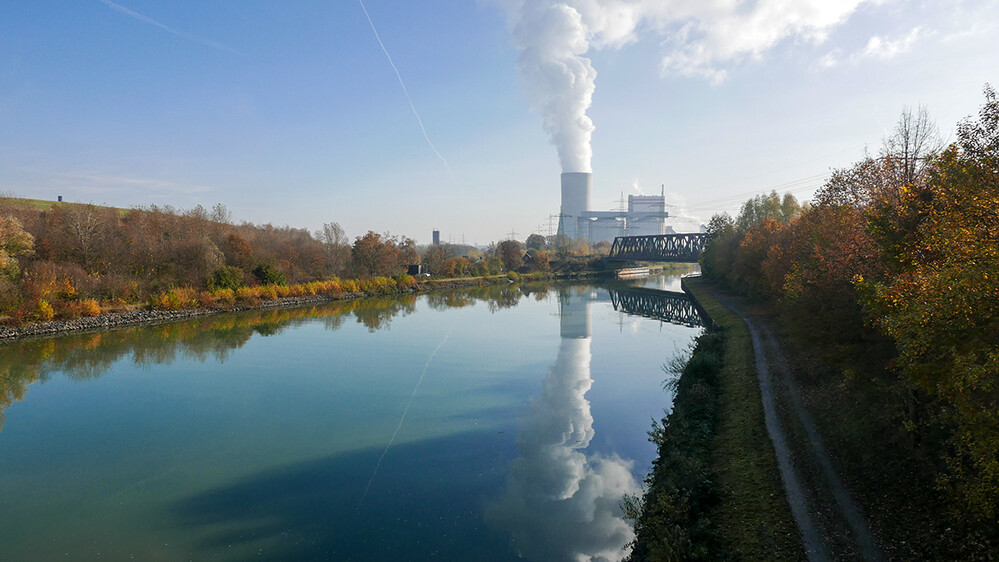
(576, 189)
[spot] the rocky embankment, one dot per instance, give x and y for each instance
(114, 320)
(111, 321)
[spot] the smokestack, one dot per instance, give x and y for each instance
(576, 190)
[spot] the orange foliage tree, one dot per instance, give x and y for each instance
(942, 306)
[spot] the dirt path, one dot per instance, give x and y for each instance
(831, 525)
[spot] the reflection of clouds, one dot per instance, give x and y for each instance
(559, 504)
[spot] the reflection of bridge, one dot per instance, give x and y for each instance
(662, 247)
(675, 308)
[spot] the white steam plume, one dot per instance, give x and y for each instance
(552, 37)
(701, 36)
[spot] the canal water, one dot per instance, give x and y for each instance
(498, 423)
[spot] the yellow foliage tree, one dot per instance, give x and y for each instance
(942, 308)
(14, 242)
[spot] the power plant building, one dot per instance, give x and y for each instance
(645, 215)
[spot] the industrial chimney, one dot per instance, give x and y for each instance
(576, 190)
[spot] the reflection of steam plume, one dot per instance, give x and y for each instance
(559, 504)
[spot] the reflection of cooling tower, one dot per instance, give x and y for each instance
(561, 502)
(574, 317)
(576, 189)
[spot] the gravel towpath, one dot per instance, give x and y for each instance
(823, 539)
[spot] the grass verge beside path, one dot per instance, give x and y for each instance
(752, 518)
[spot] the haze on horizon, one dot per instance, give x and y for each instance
(293, 114)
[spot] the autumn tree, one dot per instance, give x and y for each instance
(767, 206)
(375, 254)
(240, 251)
(911, 146)
(942, 307)
(88, 231)
(336, 247)
(436, 255)
(540, 261)
(536, 242)
(754, 248)
(719, 252)
(511, 252)
(14, 243)
(456, 267)
(561, 245)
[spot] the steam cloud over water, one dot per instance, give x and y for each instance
(701, 36)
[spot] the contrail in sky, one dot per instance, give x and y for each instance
(404, 412)
(406, 92)
(167, 28)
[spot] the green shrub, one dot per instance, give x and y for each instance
(226, 277)
(267, 274)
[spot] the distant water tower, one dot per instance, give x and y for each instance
(437, 237)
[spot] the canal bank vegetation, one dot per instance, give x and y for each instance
(886, 286)
(65, 261)
(674, 519)
(714, 492)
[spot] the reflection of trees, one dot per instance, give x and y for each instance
(442, 300)
(87, 356)
(496, 297)
(16, 375)
(537, 291)
(376, 312)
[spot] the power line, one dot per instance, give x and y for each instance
(795, 186)
(821, 178)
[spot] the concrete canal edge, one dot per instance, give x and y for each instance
(752, 518)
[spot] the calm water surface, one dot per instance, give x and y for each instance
(489, 424)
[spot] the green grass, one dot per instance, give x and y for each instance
(753, 519)
(39, 204)
(43, 205)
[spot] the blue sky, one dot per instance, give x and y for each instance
(290, 113)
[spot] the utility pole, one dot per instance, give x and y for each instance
(513, 234)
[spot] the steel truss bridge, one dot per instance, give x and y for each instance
(675, 308)
(662, 247)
